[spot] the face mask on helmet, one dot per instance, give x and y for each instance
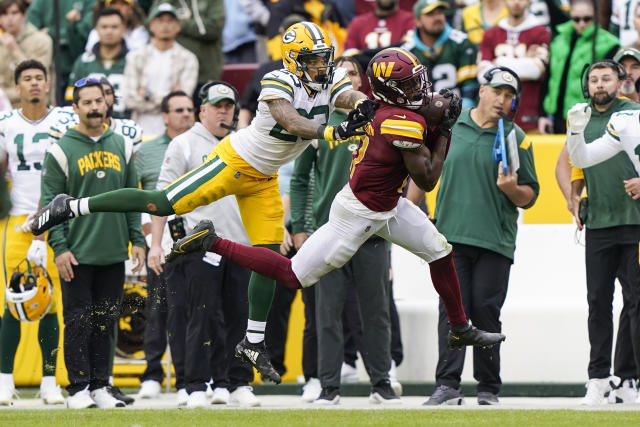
(410, 92)
(320, 64)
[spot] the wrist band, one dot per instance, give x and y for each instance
(328, 133)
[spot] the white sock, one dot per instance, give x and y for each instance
(6, 380)
(48, 381)
(111, 380)
(83, 206)
(255, 331)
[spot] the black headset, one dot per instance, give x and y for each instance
(622, 74)
(202, 94)
(488, 75)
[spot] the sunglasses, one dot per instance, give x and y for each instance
(181, 110)
(84, 82)
(585, 19)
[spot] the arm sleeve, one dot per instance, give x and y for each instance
(584, 155)
(54, 182)
(133, 218)
(299, 189)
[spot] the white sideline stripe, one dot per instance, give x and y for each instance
(193, 178)
(60, 157)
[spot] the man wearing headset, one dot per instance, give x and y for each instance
(210, 291)
(477, 211)
(612, 226)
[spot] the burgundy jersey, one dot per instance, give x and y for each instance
(378, 174)
(364, 6)
(370, 32)
(499, 42)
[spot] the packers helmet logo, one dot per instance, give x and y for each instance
(507, 77)
(383, 69)
(289, 36)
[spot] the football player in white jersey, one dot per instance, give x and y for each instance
(622, 134)
(293, 108)
(23, 143)
(127, 128)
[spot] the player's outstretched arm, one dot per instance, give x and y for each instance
(288, 117)
(348, 99)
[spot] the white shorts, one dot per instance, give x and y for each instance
(333, 244)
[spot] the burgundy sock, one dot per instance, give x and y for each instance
(261, 260)
(445, 280)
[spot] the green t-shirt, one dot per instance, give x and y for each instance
(81, 167)
(149, 160)
(89, 64)
(609, 205)
(470, 208)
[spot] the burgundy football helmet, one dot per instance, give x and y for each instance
(397, 77)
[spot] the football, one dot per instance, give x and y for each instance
(433, 111)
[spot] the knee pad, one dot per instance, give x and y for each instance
(438, 246)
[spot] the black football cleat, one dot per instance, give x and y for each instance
(470, 335)
(201, 238)
(257, 355)
(56, 212)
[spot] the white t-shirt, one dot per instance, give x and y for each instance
(25, 143)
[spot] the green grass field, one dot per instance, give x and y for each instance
(265, 418)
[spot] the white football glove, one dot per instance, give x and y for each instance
(37, 253)
(578, 117)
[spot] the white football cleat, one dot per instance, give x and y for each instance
(105, 400)
(81, 400)
(597, 388)
(198, 399)
(149, 389)
(243, 396)
(7, 390)
(50, 391)
(348, 374)
(311, 390)
(220, 395)
(182, 397)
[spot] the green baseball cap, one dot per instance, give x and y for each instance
(218, 92)
(163, 8)
(503, 78)
(427, 6)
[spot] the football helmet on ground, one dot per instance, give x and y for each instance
(306, 47)
(397, 77)
(29, 293)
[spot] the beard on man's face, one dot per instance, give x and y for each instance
(388, 5)
(34, 100)
(603, 97)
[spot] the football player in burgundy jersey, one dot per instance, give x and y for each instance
(384, 25)
(392, 149)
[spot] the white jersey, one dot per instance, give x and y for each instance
(128, 129)
(622, 134)
(264, 144)
(25, 143)
(622, 15)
